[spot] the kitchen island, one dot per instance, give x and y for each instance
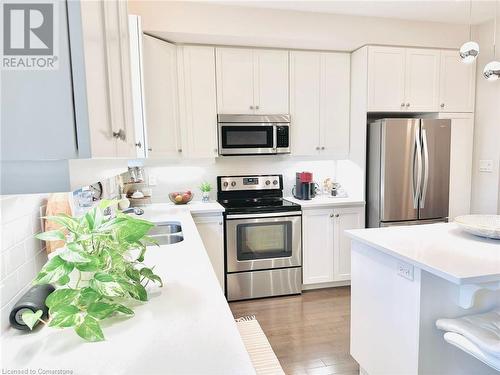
(405, 278)
(186, 327)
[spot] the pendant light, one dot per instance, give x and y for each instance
(492, 70)
(469, 50)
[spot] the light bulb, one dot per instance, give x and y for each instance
(469, 52)
(492, 71)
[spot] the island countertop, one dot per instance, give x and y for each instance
(442, 249)
(186, 327)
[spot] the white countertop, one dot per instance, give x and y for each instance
(326, 201)
(441, 249)
(185, 328)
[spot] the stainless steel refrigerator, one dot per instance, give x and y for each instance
(408, 171)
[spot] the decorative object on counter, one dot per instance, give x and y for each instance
(57, 203)
(205, 188)
(480, 225)
(85, 197)
(136, 174)
(32, 301)
(123, 203)
(137, 194)
(98, 271)
(181, 198)
(147, 191)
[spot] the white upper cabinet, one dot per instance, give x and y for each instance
(422, 80)
(386, 79)
(161, 97)
(197, 101)
(305, 71)
(457, 84)
(271, 82)
(319, 103)
(252, 81)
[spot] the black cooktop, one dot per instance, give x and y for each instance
(258, 205)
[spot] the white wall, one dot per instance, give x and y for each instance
(22, 255)
(485, 186)
(192, 22)
(188, 175)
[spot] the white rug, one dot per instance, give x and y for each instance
(261, 353)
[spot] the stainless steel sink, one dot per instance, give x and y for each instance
(165, 228)
(167, 233)
(168, 239)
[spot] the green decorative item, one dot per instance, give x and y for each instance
(105, 255)
(205, 188)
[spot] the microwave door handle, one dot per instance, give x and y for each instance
(275, 137)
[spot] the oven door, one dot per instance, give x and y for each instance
(261, 242)
(247, 138)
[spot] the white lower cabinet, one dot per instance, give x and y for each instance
(211, 230)
(326, 249)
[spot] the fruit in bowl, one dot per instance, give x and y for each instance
(181, 197)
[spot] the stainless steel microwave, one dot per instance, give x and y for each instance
(253, 134)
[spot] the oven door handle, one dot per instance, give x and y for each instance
(258, 216)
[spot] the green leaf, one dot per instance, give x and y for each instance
(133, 274)
(124, 310)
(105, 203)
(73, 256)
(150, 275)
(133, 230)
(51, 235)
(64, 296)
(66, 221)
(89, 329)
(31, 318)
(89, 217)
(106, 285)
(139, 293)
(64, 316)
(101, 310)
(53, 270)
(63, 280)
(88, 296)
(91, 266)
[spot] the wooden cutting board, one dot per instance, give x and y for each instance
(56, 203)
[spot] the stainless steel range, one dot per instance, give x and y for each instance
(263, 237)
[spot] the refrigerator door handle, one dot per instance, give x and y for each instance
(417, 155)
(426, 168)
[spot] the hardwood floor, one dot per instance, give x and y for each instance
(309, 333)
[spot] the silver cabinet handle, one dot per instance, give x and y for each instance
(426, 168)
(403, 104)
(138, 144)
(256, 107)
(120, 134)
(150, 149)
(337, 215)
(417, 156)
(317, 148)
(407, 105)
(215, 150)
(322, 147)
(220, 222)
(251, 107)
(442, 105)
(331, 215)
(179, 150)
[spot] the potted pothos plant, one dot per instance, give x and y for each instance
(205, 188)
(97, 273)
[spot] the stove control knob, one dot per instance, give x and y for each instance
(268, 182)
(225, 184)
(275, 182)
(233, 184)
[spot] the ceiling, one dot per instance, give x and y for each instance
(424, 10)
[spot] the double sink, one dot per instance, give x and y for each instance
(167, 233)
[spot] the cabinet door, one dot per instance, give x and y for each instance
(305, 71)
(212, 234)
(386, 79)
(345, 218)
(197, 101)
(422, 79)
(160, 89)
(335, 104)
(271, 82)
(317, 246)
(457, 86)
(462, 140)
(235, 80)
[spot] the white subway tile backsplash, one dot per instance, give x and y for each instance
(21, 254)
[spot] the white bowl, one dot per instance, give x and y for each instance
(481, 225)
